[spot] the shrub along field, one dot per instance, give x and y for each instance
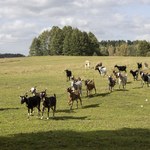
(118, 120)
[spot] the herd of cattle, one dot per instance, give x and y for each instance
(118, 76)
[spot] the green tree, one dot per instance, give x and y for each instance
(35, 48)
(75, 42)
(67, 32)
(56, 41)
(143, 48)
(94, 44)
(44, 40)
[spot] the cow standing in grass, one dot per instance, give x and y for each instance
(134, 74)
(122, 80)
(87, 64)
(111, 83)
(121, 68)
(76, 84)
(90, 85)
(73, 96)
(68, 74)
(101, 69)
(145, 78)
(49, 103)
(31, 102)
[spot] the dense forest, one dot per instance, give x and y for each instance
(73, 42)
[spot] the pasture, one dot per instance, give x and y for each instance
(119, 120)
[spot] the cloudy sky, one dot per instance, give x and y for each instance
(22, 20)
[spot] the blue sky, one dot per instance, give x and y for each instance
(21, 20)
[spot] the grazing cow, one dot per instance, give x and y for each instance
(73, 96)
(121, 68)
(134, 74)
(68, 74)
(87, 64)
(102, 70)
(145, 78)
(31, 102)
(111, 83)
(90, 85)
(48, 102)
(139, 65)
(122, 80)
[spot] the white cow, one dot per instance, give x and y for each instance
(102, 70)
(87, 64)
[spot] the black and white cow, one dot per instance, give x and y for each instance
(49, 103)
(31, 102)
(145, 78)
(134, 74)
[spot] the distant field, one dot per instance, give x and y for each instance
(108, 121)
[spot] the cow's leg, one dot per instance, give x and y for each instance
(77, 104)
(48, 112)
(80, 101)
(39, 110)
(42, 112)
(28, 112)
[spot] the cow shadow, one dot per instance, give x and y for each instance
(69, 118)
(5, 109)
(91, 106)
(140, 87)
(98, 95)
(121, 90)
(64, 111)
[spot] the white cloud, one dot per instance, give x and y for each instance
(22, 20)
(143, 37)
(73, 22)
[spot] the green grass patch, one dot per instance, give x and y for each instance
(108, 121)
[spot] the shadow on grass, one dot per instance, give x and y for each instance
(123, 139)
(91, 106)
(69, 117)
(97, 95)
(3, 109)
(140, 87)
(64, 110)
(121, 90)
(129, 82)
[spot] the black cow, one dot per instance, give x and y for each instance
(68, 74)
(134, 74)
(48, 102)
(139, 65)
(121, 68)
(31, 102)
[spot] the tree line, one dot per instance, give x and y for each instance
(73, 42)
(10, 55)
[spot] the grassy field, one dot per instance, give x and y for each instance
(107, 121)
